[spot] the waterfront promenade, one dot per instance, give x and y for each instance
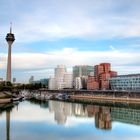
(5, 97)
(107, 98)
(3, 101)
(108, 95)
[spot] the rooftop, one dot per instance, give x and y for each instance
(129, 75)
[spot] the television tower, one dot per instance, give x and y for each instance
(10, 38)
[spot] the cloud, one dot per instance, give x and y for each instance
(3, 59)
(113, 48)
(59, 19)
(72, 121)
(70, 57)
(92, 19)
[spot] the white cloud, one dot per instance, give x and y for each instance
(51, 19)
(57, 19)
(68, 56)
(75, 121)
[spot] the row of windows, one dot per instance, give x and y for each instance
(125, 88)
(117, 80)
(125, 83)
(120, 79)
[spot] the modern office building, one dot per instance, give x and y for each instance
(92, 84)
(14, 80)
(98, 69)
(52, 83)
(68, 80)
(10, 38)
(100, 80)
(81, 71)
(44, 82)
(59, 82)
(61, 79)
(84, 82)
(125, 82)
(1, 79)
(60, 70)
(31, 80)
(78, 83)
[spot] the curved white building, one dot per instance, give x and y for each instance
(62, 79)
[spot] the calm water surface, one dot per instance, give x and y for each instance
(56, 120)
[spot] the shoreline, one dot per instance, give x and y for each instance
(114, 99)
(5, 101)
(5, 97)
(105, 95)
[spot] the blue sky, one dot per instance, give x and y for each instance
(52, 32)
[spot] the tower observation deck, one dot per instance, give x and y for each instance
(10, 38)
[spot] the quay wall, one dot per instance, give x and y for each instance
(130, 94)
(108, 95)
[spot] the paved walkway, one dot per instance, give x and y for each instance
(3, 101)
(116, 99)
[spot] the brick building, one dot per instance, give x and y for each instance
(92, 84)
(100, 80)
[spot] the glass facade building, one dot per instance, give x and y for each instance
(125, 82)
(82, 72)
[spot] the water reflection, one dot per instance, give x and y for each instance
(62, 110)
(7, 108)
(102, 117)
(8, 124)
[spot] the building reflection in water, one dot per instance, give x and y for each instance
(104, 116)
(62, 110)
(59, 112)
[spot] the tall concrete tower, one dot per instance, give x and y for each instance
(10, 38)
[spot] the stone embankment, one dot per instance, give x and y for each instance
(3, 101)
(115, 96)
(5, 98)
(106, 98)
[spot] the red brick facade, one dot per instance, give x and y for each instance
(100, 80)
(113, 73)
(92, 84)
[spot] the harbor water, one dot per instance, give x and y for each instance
(58, 120)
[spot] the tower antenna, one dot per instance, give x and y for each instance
(10, 27)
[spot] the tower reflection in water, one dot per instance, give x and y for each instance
(8, 124)
(104, 115)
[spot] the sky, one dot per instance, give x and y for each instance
(69, 32)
